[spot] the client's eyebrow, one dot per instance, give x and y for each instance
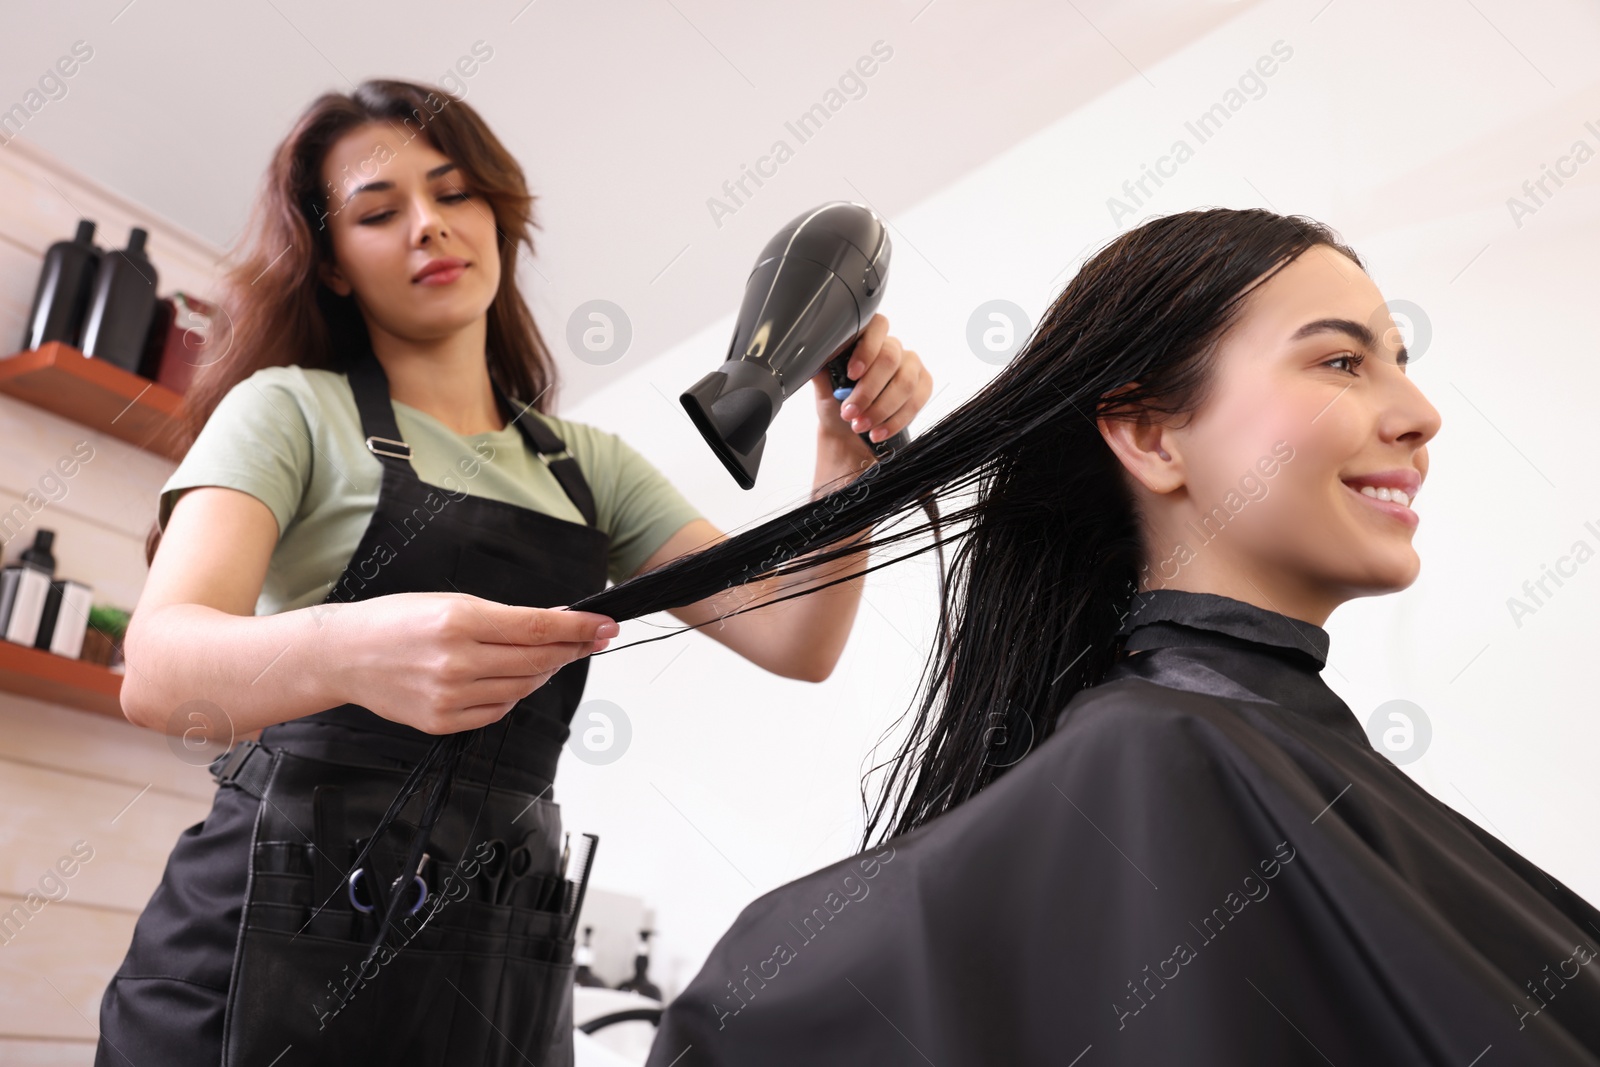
(1359, 331)
(380, 186)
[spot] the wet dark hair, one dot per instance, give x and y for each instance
(1050, 544)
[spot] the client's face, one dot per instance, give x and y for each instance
(1311, 400)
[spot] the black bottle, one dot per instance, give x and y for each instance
(583, 956)
(121, 305)
(640, 982)
(61, 302)
(39, 557)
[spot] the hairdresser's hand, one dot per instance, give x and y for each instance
(892, 385)
(445, 662)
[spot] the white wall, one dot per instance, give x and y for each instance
(69, 776)
(1406, 128)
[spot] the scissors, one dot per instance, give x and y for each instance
(493, 869)
(417, 879)
(517, 868)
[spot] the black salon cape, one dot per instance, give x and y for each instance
(1205, 863)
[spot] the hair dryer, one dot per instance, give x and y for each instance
(814, 288)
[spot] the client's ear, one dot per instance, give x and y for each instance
(1148, 449)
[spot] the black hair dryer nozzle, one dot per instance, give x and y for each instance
(814, 288)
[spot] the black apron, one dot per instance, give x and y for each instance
(250, 950)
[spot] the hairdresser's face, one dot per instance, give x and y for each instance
(1267, 461)
(394, 205)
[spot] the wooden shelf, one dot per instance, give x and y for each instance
(100, 395)
(76, 683)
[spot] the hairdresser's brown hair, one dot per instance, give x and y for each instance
(277, 312)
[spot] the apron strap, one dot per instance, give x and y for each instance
(371, 388)
(547, 445)
(370, 385)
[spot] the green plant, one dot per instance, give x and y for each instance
(113, 622)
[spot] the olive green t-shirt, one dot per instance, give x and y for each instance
(291, 437)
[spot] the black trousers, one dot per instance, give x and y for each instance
(175, 974)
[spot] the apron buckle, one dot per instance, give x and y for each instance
(236, 767)
(375, 450)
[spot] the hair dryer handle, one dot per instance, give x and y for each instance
(842, 384)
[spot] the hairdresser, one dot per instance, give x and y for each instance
(368, 544)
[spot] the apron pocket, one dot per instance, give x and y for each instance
(463, 980)
(282, 857)
(274, 888)
(536, 1013)
(310, 996)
